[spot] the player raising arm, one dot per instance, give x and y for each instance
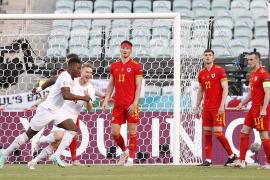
(126, 80)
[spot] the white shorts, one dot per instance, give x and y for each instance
(63, 115)
(41, 118)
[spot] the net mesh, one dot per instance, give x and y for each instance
(27, 59)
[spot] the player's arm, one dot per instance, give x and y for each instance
(108, 93)
(40, 101)
(266, 88)
(99, 95)
(224, 85)
(45, 85)
(138, 90)
(199, 98)
(246, 99)
(67, 95)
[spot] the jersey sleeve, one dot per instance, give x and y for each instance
(265, 77)
(91, 92)
(222, 74)
(111, 69)
(138, 70)
(64, 80)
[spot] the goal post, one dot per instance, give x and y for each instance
(167, 116)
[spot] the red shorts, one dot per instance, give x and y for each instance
(211, 118)
(120, 115)
(253, 118)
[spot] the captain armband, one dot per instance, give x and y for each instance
(266, 84)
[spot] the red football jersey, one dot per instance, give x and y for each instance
(211, 84)
(125, 80)
(256, 80)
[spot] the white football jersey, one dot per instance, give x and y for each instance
(77, 89)
(55, 98)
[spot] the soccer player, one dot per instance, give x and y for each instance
(48, 109)
(126, 80)
(259, 113)
(70, 110)
(213, 85)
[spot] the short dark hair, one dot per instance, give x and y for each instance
(126, 41)
(74, 59)
(257, 54)
(72, 55)
(209, 50)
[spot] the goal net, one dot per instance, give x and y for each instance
(171, 58)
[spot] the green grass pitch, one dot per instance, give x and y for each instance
(45, 172)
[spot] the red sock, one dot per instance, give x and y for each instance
(73, 144)
(244, 142)
(132, 145)
(73, 148)
(208, 144)
(120, 141)
(266, 147)
(224, 141)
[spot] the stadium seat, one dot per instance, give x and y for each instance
(103, 6)
(258, 8)
(151, 90)
(181, 5)
(82, 11)
(140, 47)
(80, 51)
(242, 13)
(159, 23)
(218, 43)
(223, 53)
(162, 32)
(203, 14)
(122, 6)
(219, 5)
(116, 41)
(161, 6)
(95, 51)
(83, 33)
(236, 5)
(261, 23)
(64, 4)
(113, 52)
(84, 24)
(58, 42)
(78, 41)
(142, 6)
(141, 32)
(259, 43)
(223, 32)
(94, 41)
(97, 33)
(62, 24)
(142, 23)
(159, 48)
(245, 23)
(120, 32)
(238, 47)
(60, 33)
(243, 33)
(63, 11)
(199, 32)
(84, 5)
(101, 23)
(125, 23)
(261, 32)
(56, 52)
(200, 5)
(186, 14)
(224, 19)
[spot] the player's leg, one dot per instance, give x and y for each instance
(40, 120)
(132, 129)
(266, 146)
(73, 147)
(219, 123)
(71, 131)
(207, 129)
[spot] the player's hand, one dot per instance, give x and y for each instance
(221, 110)
(36, 90)
(263, 113)
(197, 111)
(104, 105)
(87, 97)
(132, 108)
(240, 106)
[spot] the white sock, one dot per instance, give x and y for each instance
(209, 160)
(130, 159)
(47, 139)
(231, 156)
(43, 154)
(19, 140)
(67, 138)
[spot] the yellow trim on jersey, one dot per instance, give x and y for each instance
(223, 79)
(266, 84)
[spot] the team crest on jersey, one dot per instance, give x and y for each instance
(128, 69)
(213, 75)
(255, 78)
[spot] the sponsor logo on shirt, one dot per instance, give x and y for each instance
(255, 78)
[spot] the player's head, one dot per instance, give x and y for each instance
(125, 49)
(87, 72)
(209, 56)
(254, 59)
(74, 65)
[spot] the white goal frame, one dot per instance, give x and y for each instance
(175, 17)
